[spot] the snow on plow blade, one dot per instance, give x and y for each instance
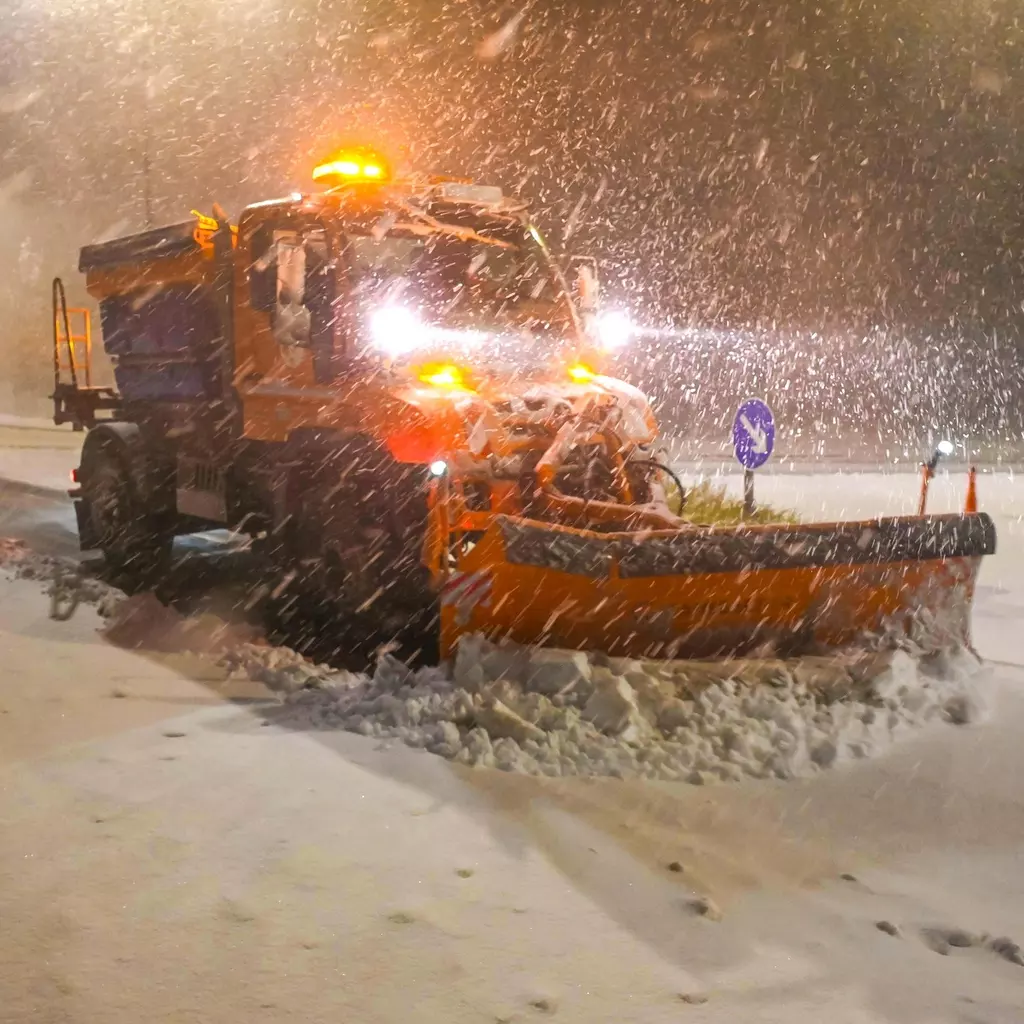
(701, 592)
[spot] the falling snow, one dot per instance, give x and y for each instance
(832, 189)
(815, 204)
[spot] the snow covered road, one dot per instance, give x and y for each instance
(168, 855)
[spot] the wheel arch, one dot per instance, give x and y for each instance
(126, 442)
(117, 438)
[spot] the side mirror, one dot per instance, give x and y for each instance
(586, 284)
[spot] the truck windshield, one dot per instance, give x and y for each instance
(499, 284)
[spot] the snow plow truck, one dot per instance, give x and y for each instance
(391, 386)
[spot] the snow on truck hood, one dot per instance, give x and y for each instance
(489, 398)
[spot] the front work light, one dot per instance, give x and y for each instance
(942, 450)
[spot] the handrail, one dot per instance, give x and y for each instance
(60, 306)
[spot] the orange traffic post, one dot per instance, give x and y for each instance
(926, 474)
(971, 504)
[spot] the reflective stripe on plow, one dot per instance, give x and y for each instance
(466, 589)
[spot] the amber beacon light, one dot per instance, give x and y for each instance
(352, 168)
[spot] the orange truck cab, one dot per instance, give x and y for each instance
(305, 374)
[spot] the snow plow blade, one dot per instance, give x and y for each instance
(701, 592)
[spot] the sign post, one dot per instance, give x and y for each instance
(753, 439)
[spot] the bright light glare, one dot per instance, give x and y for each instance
(581, 373)
(351, 167)
(395, 330)
(446, 376)
(438, 468)
(945, 447)
(614, 329)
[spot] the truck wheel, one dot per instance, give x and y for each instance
(356, 547)
(129, 535)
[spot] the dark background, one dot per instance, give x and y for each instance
(827, 193)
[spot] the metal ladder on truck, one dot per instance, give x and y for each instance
(75, 399)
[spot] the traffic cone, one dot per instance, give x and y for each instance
(971, 504)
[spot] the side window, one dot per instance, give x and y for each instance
(291, 319)
(292, 279)
(262, 284)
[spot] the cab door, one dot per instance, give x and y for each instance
(286, 328)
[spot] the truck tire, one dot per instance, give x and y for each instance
(356, 551)
(134, 540)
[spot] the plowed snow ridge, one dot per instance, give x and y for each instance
(561, 713)
(558, 713)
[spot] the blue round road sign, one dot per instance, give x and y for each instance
(753, 433)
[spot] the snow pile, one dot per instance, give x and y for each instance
(285, 671)
(143, 622)
(549, 712)
(69, 586)
(552, 712)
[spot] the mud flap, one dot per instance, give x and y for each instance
(87, 539)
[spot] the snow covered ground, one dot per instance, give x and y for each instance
(36, 455)
(167, 854)
(561, 713)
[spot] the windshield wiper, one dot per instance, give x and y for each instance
(435, 226)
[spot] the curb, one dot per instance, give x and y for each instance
(14, 423)
(38, 490)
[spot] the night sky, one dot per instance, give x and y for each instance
(834, 167)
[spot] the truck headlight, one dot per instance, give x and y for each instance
(614, 330)
(395, 331)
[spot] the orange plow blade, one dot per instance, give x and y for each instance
(698, 592)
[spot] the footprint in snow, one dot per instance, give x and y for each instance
(706, 907)
(543, 1004)
(945, 940)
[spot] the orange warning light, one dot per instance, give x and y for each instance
(443, 376)
(581, 373)
(350, 168)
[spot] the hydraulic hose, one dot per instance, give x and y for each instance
(606, 512)
(670, 472)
